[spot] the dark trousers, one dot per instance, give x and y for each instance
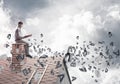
(26, 46)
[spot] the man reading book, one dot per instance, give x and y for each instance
(19, 38)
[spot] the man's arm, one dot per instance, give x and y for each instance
(18, 37)
(26, 36)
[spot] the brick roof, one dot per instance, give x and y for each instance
(37, 74)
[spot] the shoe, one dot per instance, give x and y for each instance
(29, 56)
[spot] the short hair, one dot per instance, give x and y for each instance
(20, 22)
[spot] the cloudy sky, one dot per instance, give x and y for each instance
(62, 20)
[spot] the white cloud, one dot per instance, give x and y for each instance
(63, 28)
(63, 20)
(5, 29)
(114, 12)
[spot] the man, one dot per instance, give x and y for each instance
(19, 38)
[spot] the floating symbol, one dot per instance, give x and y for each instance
(61, 76)
(9, 36)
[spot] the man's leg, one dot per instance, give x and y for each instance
(26, 48)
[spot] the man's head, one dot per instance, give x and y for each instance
(20, 24)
